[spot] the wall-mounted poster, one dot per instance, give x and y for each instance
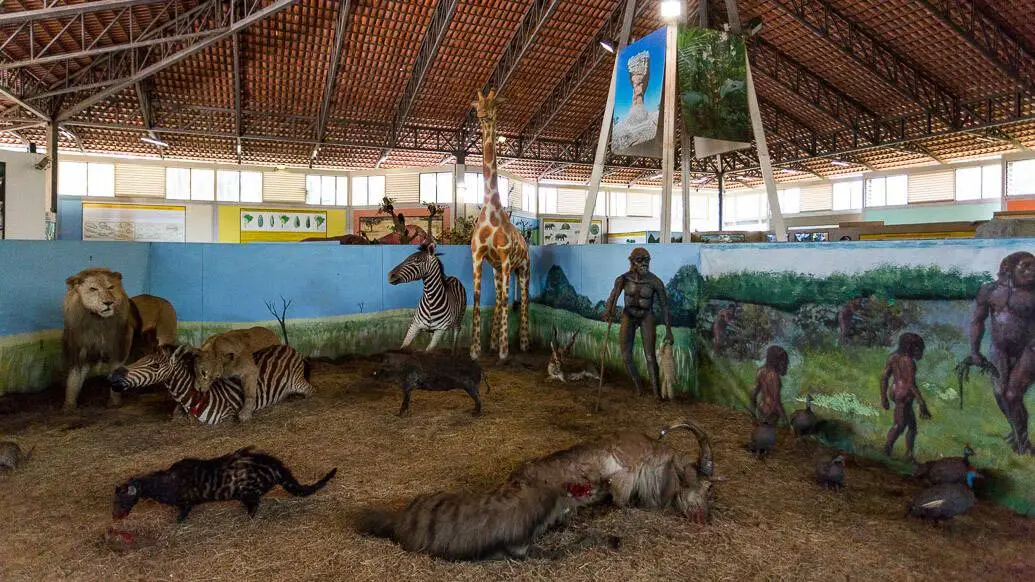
(636, 129)
(712, 79)
(136, 222)
(565, 231)
(281, 224)
(627, 238)
(528, 227)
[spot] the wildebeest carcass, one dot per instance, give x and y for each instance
(631, 469)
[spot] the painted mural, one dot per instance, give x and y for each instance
(909, 350)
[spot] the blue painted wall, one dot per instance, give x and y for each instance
(33, 273)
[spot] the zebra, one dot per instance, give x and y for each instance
(282, 371)
(443, 302)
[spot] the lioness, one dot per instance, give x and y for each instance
(229, 354)
(103, 326)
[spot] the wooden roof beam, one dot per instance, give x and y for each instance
(980, 30)
(591, 56)
(174, 58)
(886, 64)
(340, 28)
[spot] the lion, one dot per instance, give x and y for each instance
(229, 354)
(102, 325)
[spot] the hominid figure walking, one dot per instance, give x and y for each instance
(641, 289)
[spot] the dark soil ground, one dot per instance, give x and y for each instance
(770, 520)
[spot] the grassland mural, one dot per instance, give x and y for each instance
(857, 322)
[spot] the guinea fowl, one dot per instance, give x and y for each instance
(944, 501)
(947, 470)
(763, 439)
(804, 421)
(831, 473)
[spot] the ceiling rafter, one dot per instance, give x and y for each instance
(238, 95)
(579, 71)
(341, 26)
(812, 88)
(145, 72)
(426, 53)
(890, 67)
(64, 9)
(981, 31)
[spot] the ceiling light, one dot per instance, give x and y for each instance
(789, 171)
(754, 26)
(154, 141)
(502, 139)
(841, 163)
(671, 9)
(609, 45)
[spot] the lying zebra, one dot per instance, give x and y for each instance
(443, 302)
(282, 371)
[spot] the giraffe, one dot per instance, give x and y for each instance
(497, 241)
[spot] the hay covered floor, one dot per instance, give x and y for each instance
(770, 521)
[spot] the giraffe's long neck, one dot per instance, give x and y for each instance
(492, 189)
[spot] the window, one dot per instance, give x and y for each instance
(848, 195)
(618, 204)
(234, 186)
(527, 197)
(190, 184)
(367, 190)
(86, 179)
(748, 211)
(475, 183)
(326, 190)
(547, 200)
(1020, 178)
(887, 191)
(979, 182)
(436, 187)
(790, 200)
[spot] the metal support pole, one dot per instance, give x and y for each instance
(605, 128)
(722, 192)
(459, 188)
(668, 152)
(52, 151)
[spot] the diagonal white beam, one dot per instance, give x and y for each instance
(173, 59)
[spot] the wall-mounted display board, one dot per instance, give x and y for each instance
(565, 231)
(134, 222)
(281, 224)
(627, 238)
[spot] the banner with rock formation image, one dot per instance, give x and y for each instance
(636, 129)
(712, 79)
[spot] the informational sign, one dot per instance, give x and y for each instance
(565, 231)
(136, 222)
(281, 225)
(628, 238)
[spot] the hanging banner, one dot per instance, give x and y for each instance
(712, 75)
(636, 125)
(281, 225)
(136, 222)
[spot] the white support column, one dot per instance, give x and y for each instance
(684, 180)
(605, 128)
(459, 189)
(668, 152)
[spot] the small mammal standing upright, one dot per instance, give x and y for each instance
(11, 455)
(432, 371)
(244, 475)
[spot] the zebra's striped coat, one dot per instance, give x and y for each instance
(282, 372)
(443, 301)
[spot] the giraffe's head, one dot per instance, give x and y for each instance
(486, 106)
